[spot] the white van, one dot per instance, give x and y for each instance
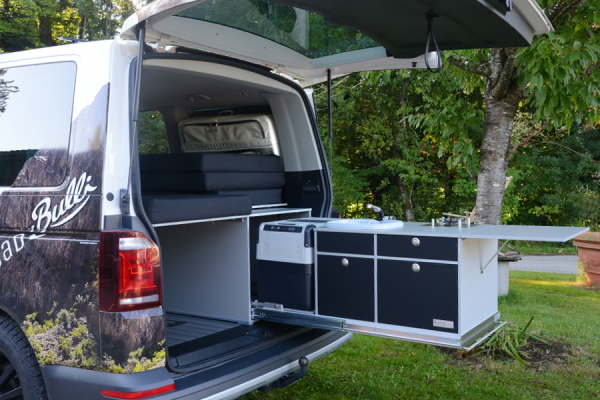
(138, 263)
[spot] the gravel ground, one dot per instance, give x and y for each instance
(562, 264)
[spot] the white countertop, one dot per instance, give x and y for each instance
(511, 232)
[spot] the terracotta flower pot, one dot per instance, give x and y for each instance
(588, 246)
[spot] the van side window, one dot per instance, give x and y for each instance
(152, 133)
(36, 106)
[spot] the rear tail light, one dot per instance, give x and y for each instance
(130, 277)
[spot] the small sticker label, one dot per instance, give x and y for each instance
(440, 323)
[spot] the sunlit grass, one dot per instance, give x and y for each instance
(376, 368)
(544, 247)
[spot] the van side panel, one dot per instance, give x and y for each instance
(49, 243)
(133, 341)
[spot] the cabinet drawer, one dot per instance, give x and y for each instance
(346, 243)
(426, 299)
(428, 248)
(346, 291)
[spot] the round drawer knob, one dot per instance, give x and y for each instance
(416, 267)
(345, 262)
(415, 242)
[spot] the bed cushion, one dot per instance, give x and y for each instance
(162, 208)
(199, 182)
(243, 180)
(259, 196)
(223, 162)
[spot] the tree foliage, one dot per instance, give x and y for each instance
(555, 174)
(6, 88)
(379, 155)
(556, 78)
(152, 133)
(29, 24)
(409, 141)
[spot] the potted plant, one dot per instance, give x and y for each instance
(588, 246)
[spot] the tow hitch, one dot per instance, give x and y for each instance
(288, 379)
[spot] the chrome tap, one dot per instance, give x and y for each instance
(378, 210)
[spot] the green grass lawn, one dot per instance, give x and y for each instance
(374, 368)
(543, 247)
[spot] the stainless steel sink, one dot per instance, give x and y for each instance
(364, 224)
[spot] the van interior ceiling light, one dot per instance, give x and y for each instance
(430, 15)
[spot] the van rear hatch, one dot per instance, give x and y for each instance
(305, 38)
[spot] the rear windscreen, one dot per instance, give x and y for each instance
(300, 30)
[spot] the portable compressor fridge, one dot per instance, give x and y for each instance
(285, 262)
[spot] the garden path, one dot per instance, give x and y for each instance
(562, 264)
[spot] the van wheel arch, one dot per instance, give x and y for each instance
(6, 310)
(19, 368)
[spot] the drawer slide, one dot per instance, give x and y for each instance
(468, 341)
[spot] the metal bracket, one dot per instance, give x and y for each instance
(483, 267)
(268, 306)
(297, 318)
(124, 201)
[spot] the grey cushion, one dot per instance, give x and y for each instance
(259, 196)
(191, 162)
(243, 180)
(162, 208)
(199, 182)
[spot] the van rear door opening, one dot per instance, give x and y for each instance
(305, 38)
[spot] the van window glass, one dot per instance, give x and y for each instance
(152, 133)
(36, 105)
(300, 30)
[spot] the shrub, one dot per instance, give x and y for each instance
(93, 361)
(78, 353)
(64, 347)
(79, 332)
(66, 317)
(48, 359)
(89, 347)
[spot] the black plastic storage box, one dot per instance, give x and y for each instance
(291, 285)
(285, 262)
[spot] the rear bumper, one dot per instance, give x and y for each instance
(227, 381)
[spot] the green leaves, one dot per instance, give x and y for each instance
(563, 65)
(18, 25)
(510, 341)
(382, 142)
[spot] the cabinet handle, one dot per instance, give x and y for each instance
(416, 267)
(345, 262)
(416, 242)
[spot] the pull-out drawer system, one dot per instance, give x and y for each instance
(421, 284)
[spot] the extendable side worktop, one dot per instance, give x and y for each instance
(416, 282)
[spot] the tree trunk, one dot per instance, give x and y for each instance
(502, 96)
(406, 196)
(493, 161)
(46, 30)
(83, 27)
(405, 193)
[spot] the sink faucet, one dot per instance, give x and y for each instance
(378, 210)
